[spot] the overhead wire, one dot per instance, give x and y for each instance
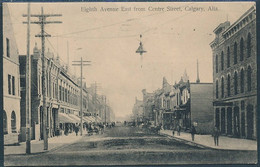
(110, 25)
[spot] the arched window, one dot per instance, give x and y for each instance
(249, 75)
(217, 89)
(216, 63)
(242, 81)
(5, 123)
(13, 122)
(228, 85)
(235, 83)
(228, 57)
(248, 45)
(222, 87)
(222, 60)
(241, 49)
(235, 53)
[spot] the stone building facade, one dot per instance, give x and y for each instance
(62, 94)
(235, 76)
(11, 81)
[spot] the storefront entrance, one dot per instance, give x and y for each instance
(229, 120)
(236, 122)
(250, 122)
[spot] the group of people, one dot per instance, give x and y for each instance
(90, 128)
(97, 128)
(215, 133)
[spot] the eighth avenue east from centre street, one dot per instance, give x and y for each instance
(129, 83)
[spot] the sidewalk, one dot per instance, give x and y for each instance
(225, 143)
(37, 146)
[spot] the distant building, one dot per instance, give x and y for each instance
(11, 84)
(235, 76)
(148, 105)
(138, 110)
(183, 104)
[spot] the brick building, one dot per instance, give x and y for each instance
(62, 95)
(235, 76)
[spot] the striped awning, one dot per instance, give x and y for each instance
(64, 118)
(87, 119)
(74, 117)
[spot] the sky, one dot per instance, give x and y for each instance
(174, 34)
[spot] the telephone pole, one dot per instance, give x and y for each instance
(42, 21)
(81, 63)
(95, 102)
(105, 109)
(28, 88)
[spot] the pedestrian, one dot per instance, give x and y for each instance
(66, 129)
(173, 132)
(179, 130)
(216, 135)
(192, 132)
(76, 130)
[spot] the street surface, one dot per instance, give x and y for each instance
(130, 146)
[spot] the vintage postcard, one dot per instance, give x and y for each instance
(129, 83)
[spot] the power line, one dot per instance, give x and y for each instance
(110, 25)
(127, 36)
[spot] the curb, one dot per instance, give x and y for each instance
(186, 141)
(45, 151)
(201, 145)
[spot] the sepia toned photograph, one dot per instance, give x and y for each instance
(129, 83)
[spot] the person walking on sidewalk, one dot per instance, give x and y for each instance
(192, 132)
(178, 130)
(216, 135)
(76, 130)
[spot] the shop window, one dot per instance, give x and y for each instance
(248, 45)
(5, 123)
(13, 122)
(216, 63)
(228, 57)
(222, 60)
(242, 105)
(241, 49)
(228, 86)
(217, 89)
(13, 85)
(242, 81)
(249, 75)
(235, 53)
(7, 47)
(222, 87)
(9, 84)
(235, 83)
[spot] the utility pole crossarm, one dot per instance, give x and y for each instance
(42, 22)
(80, 61)
(40, 35)
(44, 15)
(81, 64)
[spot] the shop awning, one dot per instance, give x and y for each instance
(92, 119)
(87, 119)
(64, 118)
(99, 119)
(74, 117)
